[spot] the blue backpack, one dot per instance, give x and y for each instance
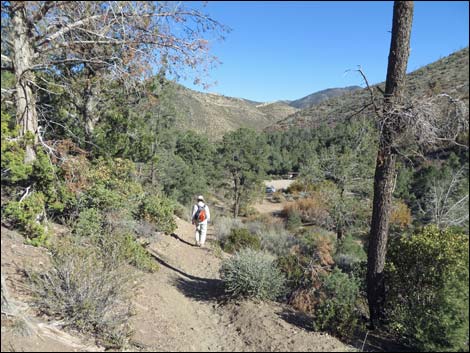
(200, 214)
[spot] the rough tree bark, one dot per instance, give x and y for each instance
(26, 114)
(237, 189)
(386, 156)
(89, 111)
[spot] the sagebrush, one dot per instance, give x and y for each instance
(252, 274)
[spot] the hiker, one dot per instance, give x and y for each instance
(201, 215)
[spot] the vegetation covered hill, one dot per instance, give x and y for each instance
(214, 114)
(448, 75)
(321, 96)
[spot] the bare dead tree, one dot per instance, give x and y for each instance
(119, 39)
(446, 206)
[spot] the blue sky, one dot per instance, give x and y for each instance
(288, 49)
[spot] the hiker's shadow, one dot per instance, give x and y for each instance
(198, 288)
(177, 237)
(298, 319)
(201, 289)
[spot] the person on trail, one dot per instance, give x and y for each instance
(200, 216)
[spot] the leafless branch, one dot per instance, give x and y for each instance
(372, 95)
(26, 194)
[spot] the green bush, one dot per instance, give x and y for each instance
(252, 274)
(349, 253)
(239, 239)
(27, 216)
(224, 225)
(111, 186)
(158, 210)
(427, 294)
(115, 235)
(276, 240)
(135, 254)
(88, 289)
(292, 266)
(89, 223)
(294, 220)
(14, 169)
(336, 310)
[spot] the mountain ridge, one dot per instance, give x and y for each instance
(448, 75)
(214, 114)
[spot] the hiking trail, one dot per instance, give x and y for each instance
(177, 308)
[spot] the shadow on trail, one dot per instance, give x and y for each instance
(176, 236)
(377, 341)
(167, 265)
(198, 288)
(298, 319)
(202, 289)
(372, 341)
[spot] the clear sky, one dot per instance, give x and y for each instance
(289, 49)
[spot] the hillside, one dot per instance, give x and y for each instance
(321, 96)
(178, 308)
(448, 75)
(215, 114)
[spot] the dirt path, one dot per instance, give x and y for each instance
(179, 307)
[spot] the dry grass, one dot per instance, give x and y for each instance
(89, 289)
(310, 210)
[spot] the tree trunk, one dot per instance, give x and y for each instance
(26, 115)
(89, 111)
(385, 164)
(237, 191)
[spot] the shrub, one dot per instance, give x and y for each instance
(119, 238)
(252, 274)
(336, 309)
(110, 185)
(401, 216)
(224, 225)
(89, 223)
(28, 216)
(88, 289)
(427, 277)
(309, 209)
(319, 246)
(277, 197)
(12, 157)
(303, 300)
(291, 266)
(159, 210)
(300, 185)
(239, 239)
(294, 220)
(114, 233)
(135, 254)
(307, 260)
(349, 252)
(276, 240)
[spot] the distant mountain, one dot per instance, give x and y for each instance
(215, 114)
(318, 97)
(449, 75)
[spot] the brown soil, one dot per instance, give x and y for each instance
(181, 307)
